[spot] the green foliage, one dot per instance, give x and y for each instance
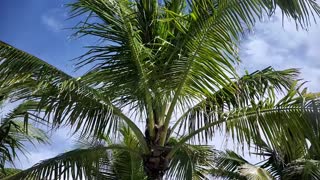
(108, 159)
(298, 162)
(156, 59)
(8, 172)
(14, 132)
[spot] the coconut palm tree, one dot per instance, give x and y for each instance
(158, 60)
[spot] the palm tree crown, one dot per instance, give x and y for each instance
(158, 59)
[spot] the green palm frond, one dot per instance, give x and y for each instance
(125, 164)
(14, 133)
(278, 163)
(156, 58)
(13, 136)
(94, 158)
(248, 91)
(76, 164)
(191, 161)
(52, 94)
(302, 168)
(8, 172)
(18, 68)
(227, 165)
(273, 123)
(266, 120)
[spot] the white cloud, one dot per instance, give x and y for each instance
(54, 19)
(52, 23)
(284, 47)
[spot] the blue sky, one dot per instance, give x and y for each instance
(38, 27)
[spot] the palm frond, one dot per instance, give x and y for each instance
(13, 136)
(247, 91)
(254, 173)
(302, 168)
(227, 165)
(271, 122)
(8, 172)
(230, 165)
(87, 163)
(14, 133)
(121, 66)
(56, 97)
(276, 122)
(211, 40)
(125, 164)
(191, 161)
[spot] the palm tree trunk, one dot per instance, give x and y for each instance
(155, 167)
(155, 177)
(156, 164)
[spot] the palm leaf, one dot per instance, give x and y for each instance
(14, 132)
(248, 90)
(191, 161)
(246, 125)
(87, 163)
(254, 173)
(52, 94)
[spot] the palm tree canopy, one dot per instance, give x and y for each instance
(157, 59)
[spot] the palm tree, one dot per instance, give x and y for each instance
(301, 161)
(158, 59)
(14, 133)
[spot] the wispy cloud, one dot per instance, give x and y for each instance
(54, 19)
(52, 23)
(284, 47)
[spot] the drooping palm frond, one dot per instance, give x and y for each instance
(76, 164)
(52, 94)
(249, 90)
(191, 162)
(302, 169)
(8, 172)
(14, 133)
(125, 164)
(13, 137)
(94, 158)
(277, 122)
(288, 118)
(277, 163)
(297, 169)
